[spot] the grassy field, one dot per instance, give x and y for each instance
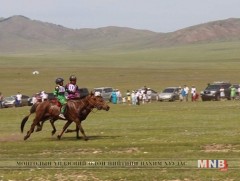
(159, 131)
(179, 132)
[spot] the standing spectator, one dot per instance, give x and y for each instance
(145, 92)
(34, 99)
(193, 93)
(233, 92)
(183, 94)
(18, 99)
(124, 100)
(128, 94)
(1, 99)
(138, 97)
(44, 96)
(222, 93)
(119, 96)
(186, 90)
(180, 94)
(149, 95)
(38, 97)
(144, 97)
(238, 91)
(134, 99)
(114, 97)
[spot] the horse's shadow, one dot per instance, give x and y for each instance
(72, 138)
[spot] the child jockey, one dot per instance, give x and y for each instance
(59, 92)
(72, 88)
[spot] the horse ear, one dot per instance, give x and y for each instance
(92, 93)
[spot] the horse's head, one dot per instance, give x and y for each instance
(98, 102)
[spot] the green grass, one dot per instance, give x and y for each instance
(158, 131)
(192, 65)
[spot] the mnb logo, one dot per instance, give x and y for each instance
(221, 164)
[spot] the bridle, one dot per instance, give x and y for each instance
(93, 104)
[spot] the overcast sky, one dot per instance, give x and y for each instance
(154, 15)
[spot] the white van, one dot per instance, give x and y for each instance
(105, 92)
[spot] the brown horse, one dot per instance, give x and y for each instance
(76, 111)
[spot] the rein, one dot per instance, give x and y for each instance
(90, 105)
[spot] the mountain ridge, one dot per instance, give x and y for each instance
(19, 33)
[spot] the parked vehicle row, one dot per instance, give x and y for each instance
(11, 101)
(211, 92)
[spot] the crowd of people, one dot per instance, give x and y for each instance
(184, 93)
(134, 97)
(144, 95)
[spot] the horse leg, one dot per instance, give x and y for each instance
(31, 130)
(39, 126)
(74, 130)
(64, 128)
(77, 132)
(53, 126)
(70, 130)
(79, 125)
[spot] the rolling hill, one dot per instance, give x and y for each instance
(21, 34)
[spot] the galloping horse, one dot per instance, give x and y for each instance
(76, 111)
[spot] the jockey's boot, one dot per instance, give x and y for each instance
(61, 116)
(62, 111)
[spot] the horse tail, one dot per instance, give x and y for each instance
(24, 122)
(32, 110)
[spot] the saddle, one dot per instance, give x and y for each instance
(55, 102)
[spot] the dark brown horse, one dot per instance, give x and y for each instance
(76, 111)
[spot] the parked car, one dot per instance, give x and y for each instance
(105, 92)
(11, 101)
(154, 94)
(8, 102)
(212, 91)
(170, 94)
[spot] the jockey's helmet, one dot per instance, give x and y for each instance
(59, 80)
(72, 78)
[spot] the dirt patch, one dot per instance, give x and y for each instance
(78, 151)
(11, 138)
(127, 150)
(83, 176)
(220, 148)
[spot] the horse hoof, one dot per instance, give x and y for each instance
(38, 129)
(25, 137)
(78, 137)
(86, 139)
(59, 137)
(53, 132)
